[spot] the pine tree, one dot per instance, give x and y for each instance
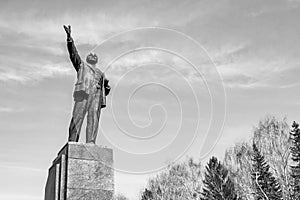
(147, 195)
(266, 186)
(295, 167)
(217, 183)
(272, 137)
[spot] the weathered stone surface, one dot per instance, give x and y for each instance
(81, 171)
(78, 194)
(89, 174)
(85, 151)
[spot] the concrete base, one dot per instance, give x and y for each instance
(81, 171)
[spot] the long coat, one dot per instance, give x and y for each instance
(86, 75)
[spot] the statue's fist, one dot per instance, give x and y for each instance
(68, 30)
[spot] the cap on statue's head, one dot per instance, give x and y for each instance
(92, 58)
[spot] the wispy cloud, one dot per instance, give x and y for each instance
(240, 48)
(35, 73)
(6, 109)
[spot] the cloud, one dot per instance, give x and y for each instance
(6, 109)
(35, 72)
(89, 24)
(241, 46)
(38, 49)
(250, 39)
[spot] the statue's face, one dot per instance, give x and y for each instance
(92, 58)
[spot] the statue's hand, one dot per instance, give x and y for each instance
(68, 30)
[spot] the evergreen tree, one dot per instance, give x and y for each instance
(272, 137)
(217, 184)
(266, 186)
(147, 195)
(295, 167)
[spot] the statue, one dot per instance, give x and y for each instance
(89, 94)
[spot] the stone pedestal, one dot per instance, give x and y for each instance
(81, 171)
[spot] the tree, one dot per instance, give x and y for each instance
(147, 195)
(120, 197)
(266, 186)
(295, 167)
(217, 183)
(271, 136)
(178, 182)
(238, 162)
(273, 140)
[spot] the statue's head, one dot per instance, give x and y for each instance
(92, 58)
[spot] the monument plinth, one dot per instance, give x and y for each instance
(81, 171)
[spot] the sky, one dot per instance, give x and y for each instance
(188, 78)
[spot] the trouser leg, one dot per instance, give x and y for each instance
(93, 116)
(79, 111)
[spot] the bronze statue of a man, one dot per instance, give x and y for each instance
(89, 95)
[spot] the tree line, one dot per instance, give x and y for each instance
(267, 167)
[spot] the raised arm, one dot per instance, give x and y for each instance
(74, 56)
